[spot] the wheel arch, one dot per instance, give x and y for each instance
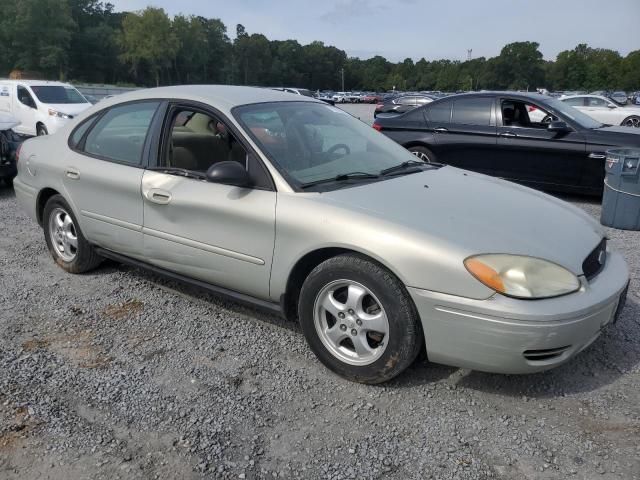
(310, 260)
(43, 196)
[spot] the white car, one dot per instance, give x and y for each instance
(604, 110)
(340, 97)
(42, 107)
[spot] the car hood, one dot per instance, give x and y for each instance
(473, 213)
(68, 108)
(619, 129)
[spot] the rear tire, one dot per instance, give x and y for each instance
(41, 130)
(423, 153)
(359, 320)
(65, 241)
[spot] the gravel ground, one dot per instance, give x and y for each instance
(120, 374)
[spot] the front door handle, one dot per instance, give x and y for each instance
(440, 130)
(156, 195)
(508, 134)
(597, 156)
(72, 173)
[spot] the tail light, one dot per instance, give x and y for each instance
(531, 108)
(379, 106)
(377, 126)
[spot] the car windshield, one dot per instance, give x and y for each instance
(314, 142)
(58, 94)
(582, 119)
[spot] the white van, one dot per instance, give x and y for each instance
(41, 107)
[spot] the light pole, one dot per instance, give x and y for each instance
(342, 73)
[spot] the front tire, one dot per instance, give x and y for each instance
(65, 241)
(423, 153)
(359, 320)
(41, 130)
(632, 121)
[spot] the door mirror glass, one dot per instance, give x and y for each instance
(558, 126)
(229, 173)
(611, 105)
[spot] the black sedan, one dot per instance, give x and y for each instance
(401, 104)
(529, 138)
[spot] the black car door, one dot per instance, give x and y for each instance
(531, 153)
(468, 139)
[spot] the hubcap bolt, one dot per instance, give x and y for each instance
(359, 322)
(354, 331)
(343, 327)
(350, 311)
(341, 315)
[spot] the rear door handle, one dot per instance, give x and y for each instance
(440, 130)
(156, 195)
(72, 173)
(597, 156)
(508, 135)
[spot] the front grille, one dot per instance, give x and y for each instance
(546, 354)
(595, 261)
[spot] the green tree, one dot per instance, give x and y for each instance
(148, 41)
(42, 31)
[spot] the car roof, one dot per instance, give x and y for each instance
(30, 83)
(223, 97)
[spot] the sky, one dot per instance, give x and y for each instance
(433, 29)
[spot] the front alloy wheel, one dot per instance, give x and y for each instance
(359, 319)
(351, 322)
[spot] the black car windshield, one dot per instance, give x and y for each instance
(58, 94)
(582, 119)
(312, 142)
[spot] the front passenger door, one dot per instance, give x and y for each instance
(220, 234)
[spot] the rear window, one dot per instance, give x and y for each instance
(58, 94)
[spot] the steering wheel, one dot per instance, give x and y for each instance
(339, 146)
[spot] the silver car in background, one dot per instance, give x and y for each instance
(294, 205)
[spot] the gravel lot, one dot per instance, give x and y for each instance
(120, 374)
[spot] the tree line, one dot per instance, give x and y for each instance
(87, 41)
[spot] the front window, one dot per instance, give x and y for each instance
(582, 119)
(312, 142)
(58, 94)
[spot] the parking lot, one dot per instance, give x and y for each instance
(121, 374)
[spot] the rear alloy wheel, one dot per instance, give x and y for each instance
(359, 319)
(65, 241)
(423, 153)
(632, 121)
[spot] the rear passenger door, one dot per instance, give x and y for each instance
(468, 140)
(103, 173)
(220, 234)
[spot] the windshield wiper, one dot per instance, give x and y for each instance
(341, 177)
(180, 171)
(403, 166)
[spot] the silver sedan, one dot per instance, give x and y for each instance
(297, 207)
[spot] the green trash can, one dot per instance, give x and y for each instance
(621, 199)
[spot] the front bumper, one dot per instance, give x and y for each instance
(507, 335)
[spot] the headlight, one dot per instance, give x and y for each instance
(522, 277)
(55, 113)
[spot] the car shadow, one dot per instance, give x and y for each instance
(192, 292)
(6, 191)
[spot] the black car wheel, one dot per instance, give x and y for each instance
(632, 121)
(423, 153)
(41, 130)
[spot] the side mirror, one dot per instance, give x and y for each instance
(611, 105)
(558, 126)
(229, 173)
